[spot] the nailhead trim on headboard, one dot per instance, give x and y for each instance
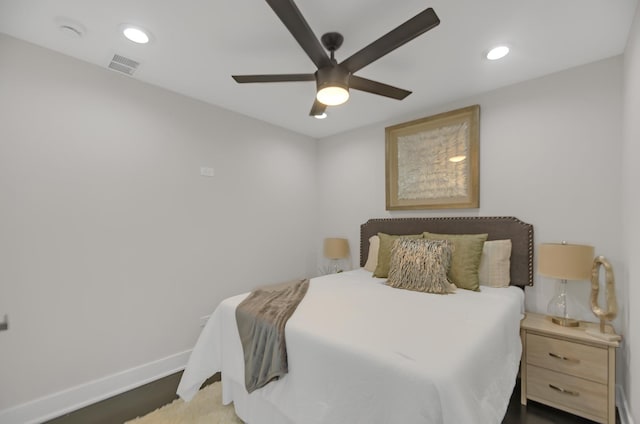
(498, 227)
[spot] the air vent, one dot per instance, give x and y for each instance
(123, 64)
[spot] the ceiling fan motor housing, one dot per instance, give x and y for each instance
(332, 76)
(332, 41)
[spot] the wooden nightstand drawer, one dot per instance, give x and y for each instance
(573, 394)
(579, 360)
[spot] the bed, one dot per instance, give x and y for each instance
(360, 351)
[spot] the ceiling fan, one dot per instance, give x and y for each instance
(333, 79)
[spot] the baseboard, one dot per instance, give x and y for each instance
(74, 398)
(623, 406)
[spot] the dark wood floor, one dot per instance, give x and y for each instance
(144, 399)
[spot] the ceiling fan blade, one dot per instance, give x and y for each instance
(379, 88)
(317, 108)
(274, 78)
(291, 17)
(406, 32)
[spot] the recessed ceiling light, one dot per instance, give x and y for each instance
(498, 52)
(321, 116)
(135, 34)
(456, 159)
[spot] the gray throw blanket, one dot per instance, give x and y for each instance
(261, 318)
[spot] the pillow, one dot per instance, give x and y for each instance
(495, 263)
(465, 258)
(421, 265)
(384, 253)
(372, 258)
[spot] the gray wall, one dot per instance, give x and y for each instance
(631, 210)
(112, 245)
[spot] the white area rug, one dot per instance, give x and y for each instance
(205, 408)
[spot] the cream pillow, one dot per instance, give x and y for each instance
(495, 263)
(421, 265)
(372, 259)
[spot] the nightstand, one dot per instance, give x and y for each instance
(566, 368)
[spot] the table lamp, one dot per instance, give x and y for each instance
(334, 249)
(564, 262)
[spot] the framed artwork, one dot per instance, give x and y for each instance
(432, 163)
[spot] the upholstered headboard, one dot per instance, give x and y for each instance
(498, 228)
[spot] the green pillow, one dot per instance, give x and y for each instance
(384, 253)
(465, 260)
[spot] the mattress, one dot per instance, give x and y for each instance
(362, 352)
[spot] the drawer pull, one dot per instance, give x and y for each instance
(564, 358)
(561, 390)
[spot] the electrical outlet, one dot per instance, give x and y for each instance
(203, 320)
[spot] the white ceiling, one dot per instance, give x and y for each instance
(198, 44)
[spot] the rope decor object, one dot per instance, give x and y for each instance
(421, 265)
(611, 311)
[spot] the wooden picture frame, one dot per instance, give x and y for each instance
(433, 163)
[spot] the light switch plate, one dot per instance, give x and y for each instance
(206, 171)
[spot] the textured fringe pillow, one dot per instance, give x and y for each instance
(372, 258)
(495, 263)
(421, 265)
(465, 260)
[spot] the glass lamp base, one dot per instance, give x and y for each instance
(565, 322)
(561, 306)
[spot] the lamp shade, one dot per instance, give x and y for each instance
(336, 248)
(565, 261)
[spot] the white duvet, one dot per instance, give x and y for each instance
(362, 352)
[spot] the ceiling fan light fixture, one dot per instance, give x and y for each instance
(333, 95)
(332, 83)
